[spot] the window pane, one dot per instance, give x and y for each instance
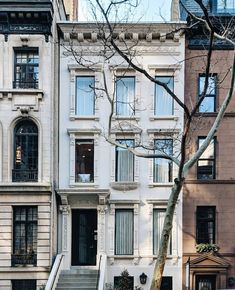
(23, 284)
(26, 152)
(163, 101)
(85, 97)
(162, 167)
(26, 69)
(158, 221)
(24, 235)
(226, 6)
(125, 94)
(124, 232)
(84, 165)
(124, 162)
(206, 163)
(166, 283)
(206, 224)
(208, 104)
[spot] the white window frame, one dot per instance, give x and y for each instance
(82, 134)
(126, 71)
(164, 70)
(123, 204)
(79, 71)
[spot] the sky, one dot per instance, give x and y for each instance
(147, 11)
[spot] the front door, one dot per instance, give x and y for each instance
(206, 282)
(84, 236)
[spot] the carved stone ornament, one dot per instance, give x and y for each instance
(65, 209)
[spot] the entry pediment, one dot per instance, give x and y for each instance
(209, 260)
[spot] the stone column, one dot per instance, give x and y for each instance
(65, 210)
(102, 209)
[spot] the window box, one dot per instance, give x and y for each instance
(207, 248)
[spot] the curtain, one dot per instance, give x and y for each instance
(163, 101)
(124, 232)
(124, 162)
(163, 167)
(85, 96)
(158, 221)
(125, 95)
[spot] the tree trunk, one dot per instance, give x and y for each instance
(160, 263)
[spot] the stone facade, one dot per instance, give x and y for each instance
(27, 96)
(159, 55)
(216, 192)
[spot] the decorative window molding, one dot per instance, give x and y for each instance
(161, 204)
(129, 133)
(123, 204)
(83, 134)
(164, 70)
(79, 71)
(126, 71)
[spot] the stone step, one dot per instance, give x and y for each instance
(76, 288)
(76, 283)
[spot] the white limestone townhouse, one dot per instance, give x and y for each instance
(27, 100)
(112, 202)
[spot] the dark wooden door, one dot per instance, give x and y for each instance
(84, 236)
(206, 282)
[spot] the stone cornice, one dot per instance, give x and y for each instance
(24, 188)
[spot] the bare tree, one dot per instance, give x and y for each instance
(108, 35)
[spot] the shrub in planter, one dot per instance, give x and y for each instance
(207, 248)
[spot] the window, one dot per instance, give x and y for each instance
(166, 283)
(124, 162)
(225, 6)
(208, 105)
(206, 163)
(124, 232)
(163, 167)
(126, 282)
(206, 224)
(125, 96)
(163, 105)
(84, 161)
(158, 221)
(23, 284)
(85, 95)
(24, 235)
(25, 152)
(26, 68)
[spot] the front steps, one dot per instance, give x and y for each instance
(78, 279)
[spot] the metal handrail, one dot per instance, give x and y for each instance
(102, 272)
(55, 272)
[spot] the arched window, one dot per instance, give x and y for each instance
(25, 168)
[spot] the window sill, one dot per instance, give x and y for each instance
(83, 118)
(84, 184)
(155, 184)
(116, 117)
(164, 118)
(124, 186)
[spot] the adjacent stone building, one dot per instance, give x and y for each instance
(113, 203)
(208, 203)
(27, 100)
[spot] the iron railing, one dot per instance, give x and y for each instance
(25, 85)
(24, 259)
(19, 175)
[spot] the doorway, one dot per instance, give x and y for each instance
(206, 282)
(84, 237)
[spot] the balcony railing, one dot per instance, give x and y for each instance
(24, 259)
(19, 175)
(25, 85)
